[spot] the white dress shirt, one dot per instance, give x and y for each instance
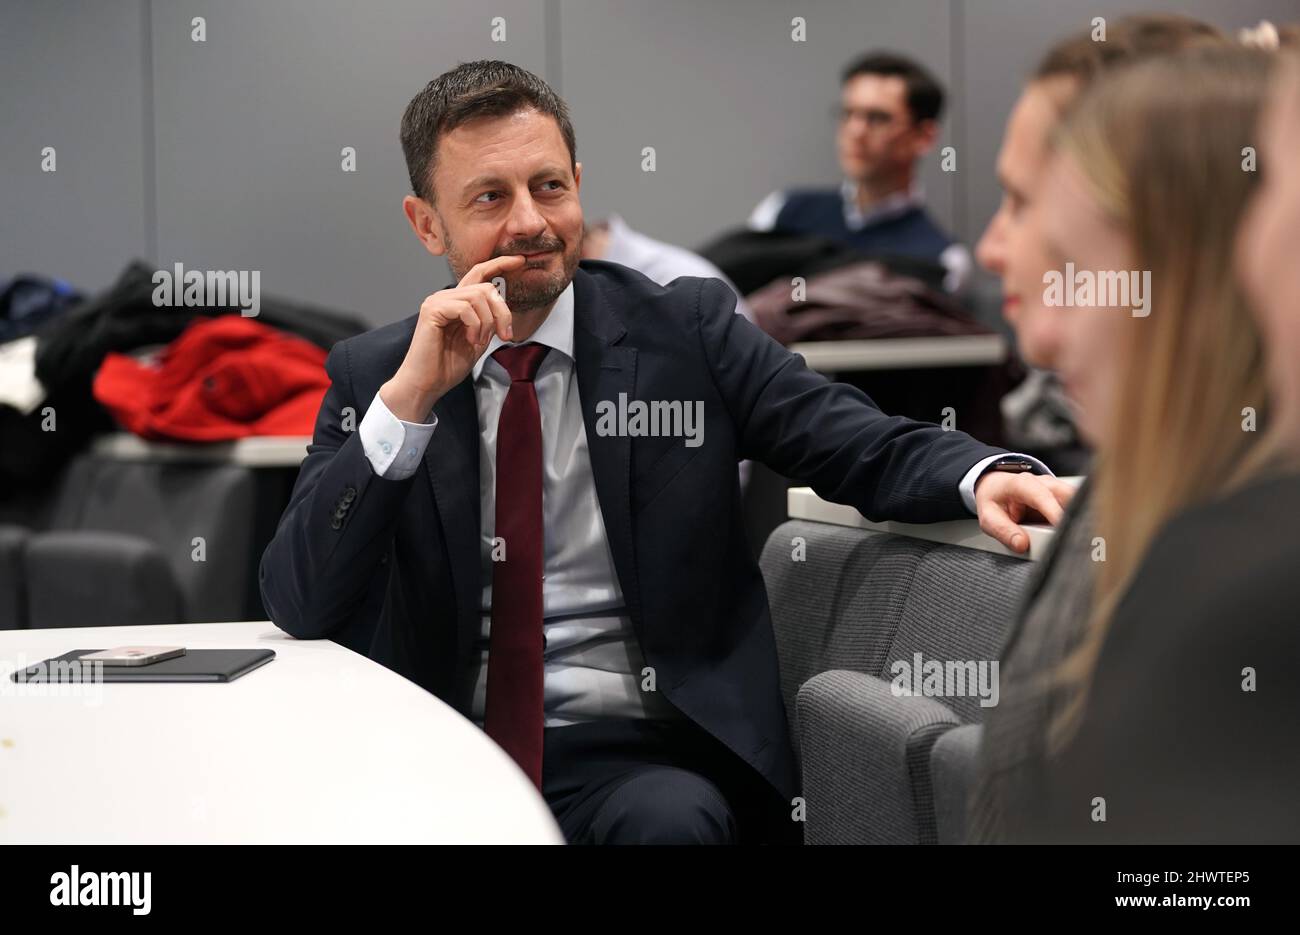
(662, 262)
(593, 665)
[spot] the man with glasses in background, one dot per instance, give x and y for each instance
(888, 120)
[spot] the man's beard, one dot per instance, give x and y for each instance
(527, 290)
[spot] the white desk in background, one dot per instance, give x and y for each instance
(804, 504)
(267, 451)
(965, 350)
(823, 356)
(321, 745)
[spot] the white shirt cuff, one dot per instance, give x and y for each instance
(967, 485)
(394, 448)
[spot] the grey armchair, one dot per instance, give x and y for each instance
(137, 542)
(879, 767)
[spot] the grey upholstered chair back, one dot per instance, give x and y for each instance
(839, 604)
(126, 532)
(957, 608)
(858, 601)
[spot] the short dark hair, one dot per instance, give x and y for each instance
(486, 88)
(924, 92)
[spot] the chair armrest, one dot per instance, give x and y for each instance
(952, 772)
(866, 760)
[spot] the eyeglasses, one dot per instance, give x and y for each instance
(874, 118)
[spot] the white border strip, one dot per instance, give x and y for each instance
(806, 505)
(965, 350)
(257, 451)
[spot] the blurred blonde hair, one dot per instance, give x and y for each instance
(1160, 144)
(1072, 64)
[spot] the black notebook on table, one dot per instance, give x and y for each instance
(197, 665)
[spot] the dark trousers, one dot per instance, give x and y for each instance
(657, 782)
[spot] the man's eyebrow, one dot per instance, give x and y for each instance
(493, 181)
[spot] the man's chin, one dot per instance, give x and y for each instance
(534, 288)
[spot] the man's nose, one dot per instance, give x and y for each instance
(525, 220)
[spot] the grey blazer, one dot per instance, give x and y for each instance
(1051, 622)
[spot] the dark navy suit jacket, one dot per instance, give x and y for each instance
(391, 568)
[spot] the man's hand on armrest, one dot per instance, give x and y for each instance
(1003, 501)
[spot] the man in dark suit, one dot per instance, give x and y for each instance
(539, 469)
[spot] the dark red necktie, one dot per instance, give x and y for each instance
(514, 688)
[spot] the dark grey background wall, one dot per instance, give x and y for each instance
(226, 154)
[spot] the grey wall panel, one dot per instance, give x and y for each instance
(71, 77)
(1002, 41)
(732, 106)
(226, 154)
(250, 126)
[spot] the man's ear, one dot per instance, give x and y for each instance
(425, 223)
(577, 176)
(925, 136)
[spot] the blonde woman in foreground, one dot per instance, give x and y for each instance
(1187, 733)
(1055, 608)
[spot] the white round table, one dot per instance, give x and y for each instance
(321, 745)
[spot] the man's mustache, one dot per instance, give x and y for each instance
(515, 249)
